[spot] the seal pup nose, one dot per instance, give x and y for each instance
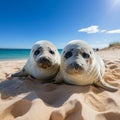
(76, 66)
(44, 62)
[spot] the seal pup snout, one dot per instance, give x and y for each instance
(44, 62)
(76, 66)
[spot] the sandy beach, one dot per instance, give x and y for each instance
(29, 99)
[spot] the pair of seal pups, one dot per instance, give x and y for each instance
(79, 64)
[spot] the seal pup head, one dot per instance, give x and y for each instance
(45, 54)
(76, 57)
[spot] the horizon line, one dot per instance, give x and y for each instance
(20, 48)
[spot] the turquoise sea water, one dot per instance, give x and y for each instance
(15, 54)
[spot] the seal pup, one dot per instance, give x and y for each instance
(43, 62)
(80, 65)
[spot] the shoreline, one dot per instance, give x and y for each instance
(15, 54)
(20, 59)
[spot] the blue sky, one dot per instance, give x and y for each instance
(23, 22)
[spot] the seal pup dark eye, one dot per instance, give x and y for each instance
(85, 55)
(68, 54)
(52, 52)
(36, 52)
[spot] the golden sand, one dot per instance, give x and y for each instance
(28, 99)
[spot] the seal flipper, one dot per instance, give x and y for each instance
(105, 85)
(21, 73)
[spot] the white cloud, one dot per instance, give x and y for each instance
(95, 29)
(103, 31)
(91, 29)
(117, 31)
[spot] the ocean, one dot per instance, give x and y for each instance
(16, 54)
